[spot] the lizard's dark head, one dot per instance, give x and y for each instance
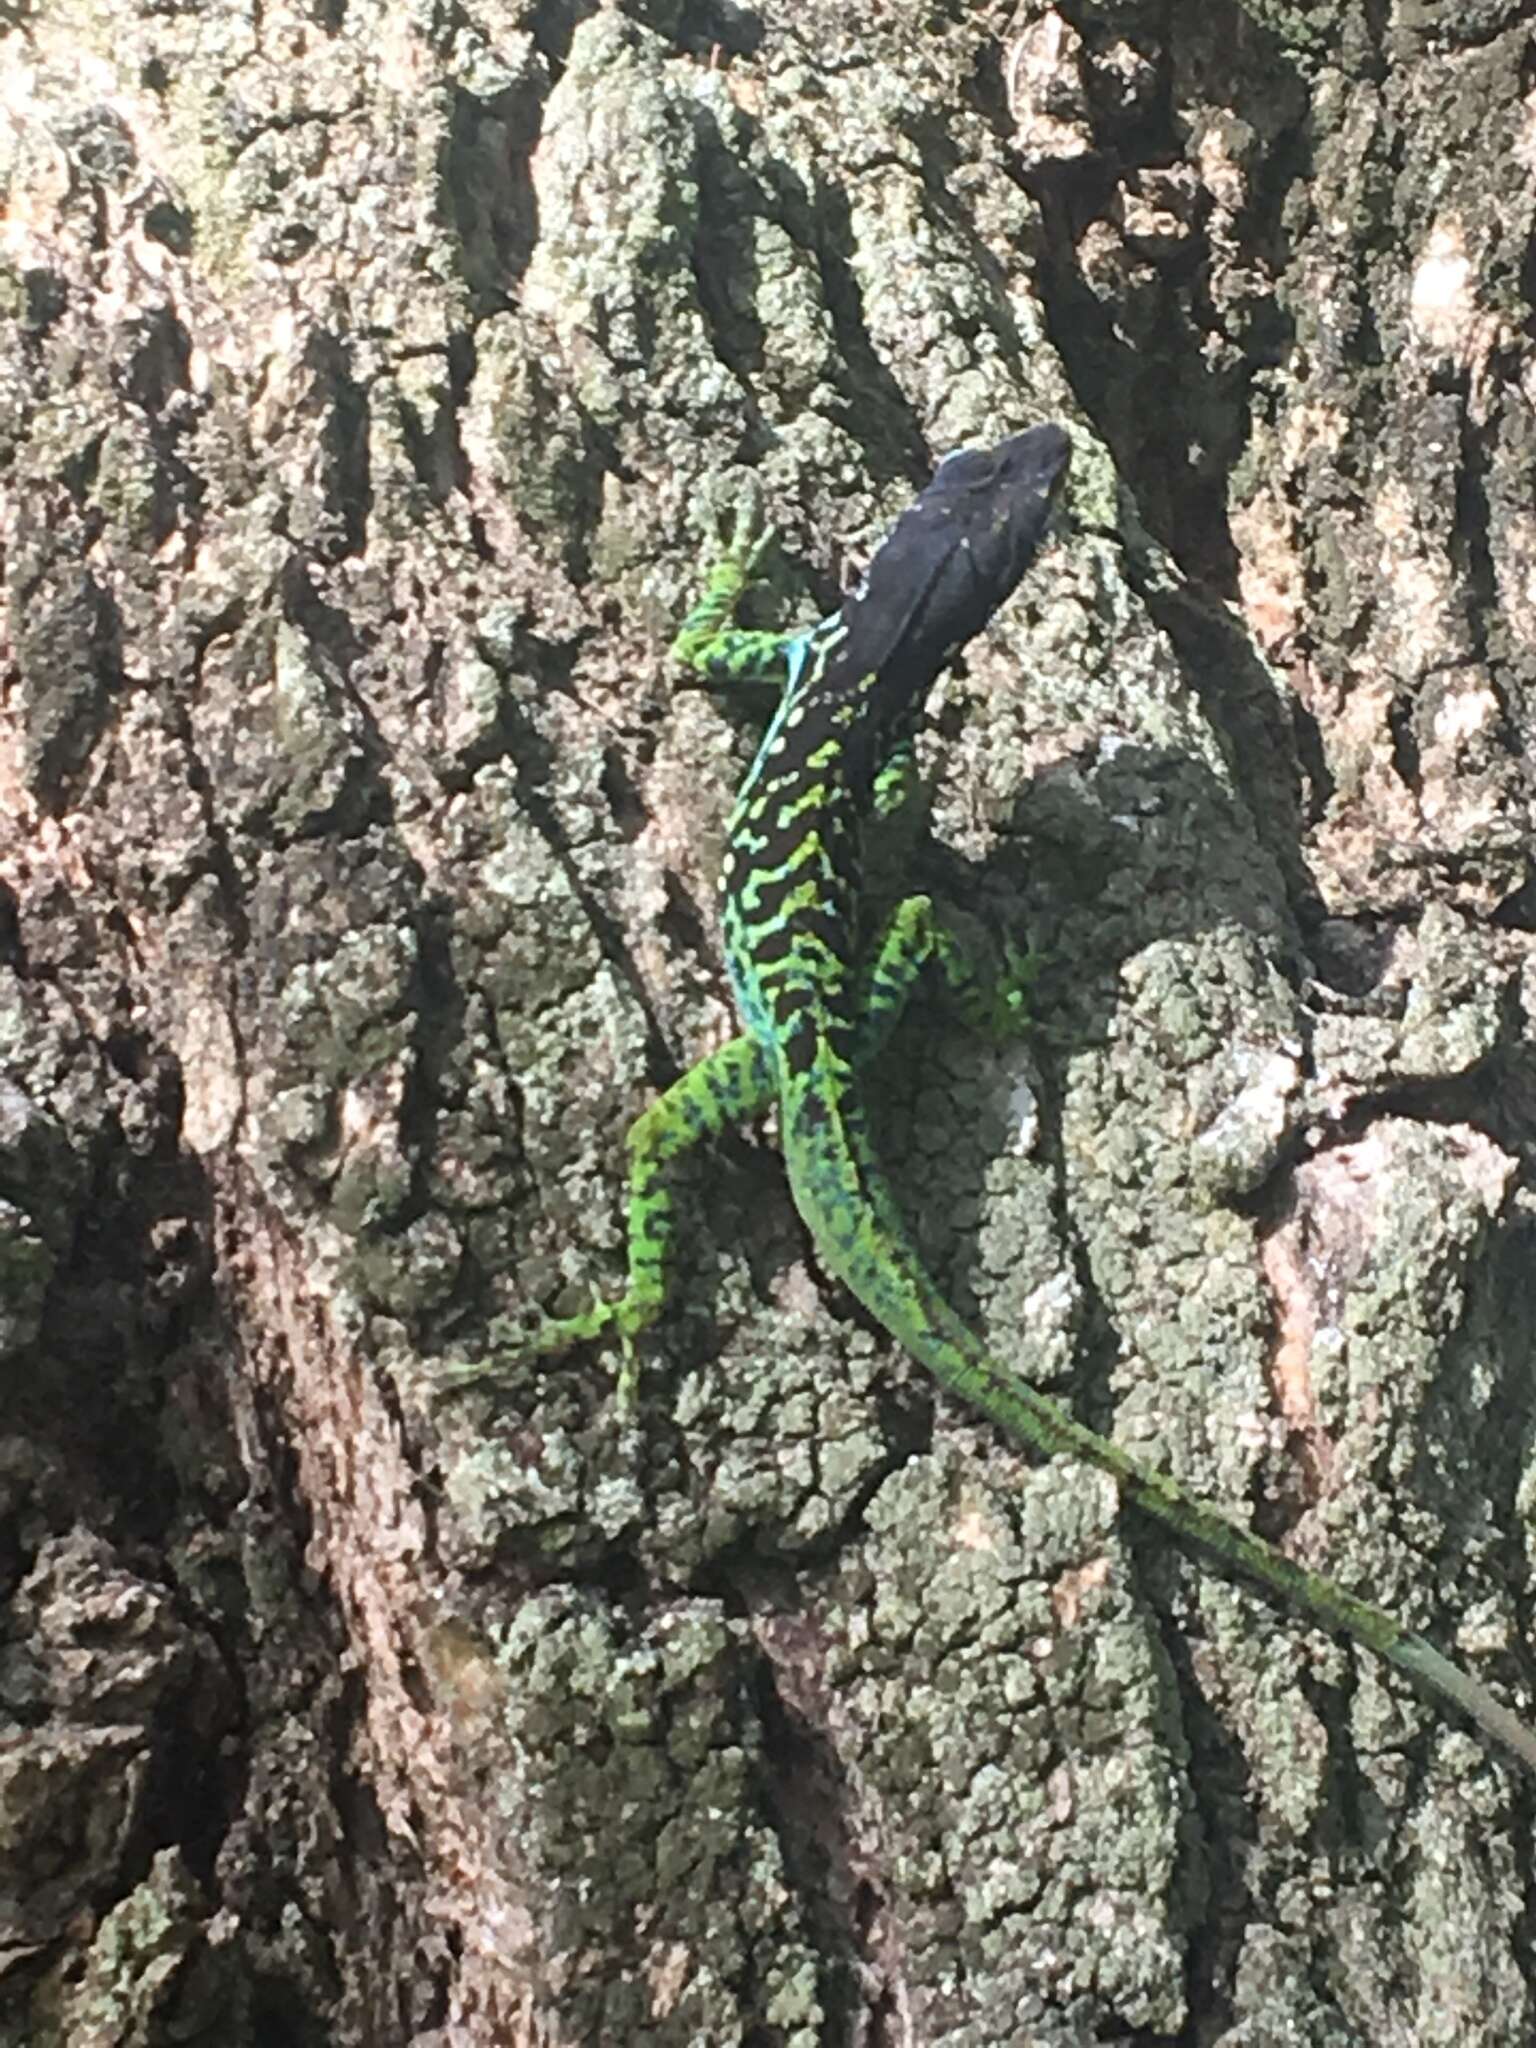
(988, 510)
(998, 502)
(957, 554)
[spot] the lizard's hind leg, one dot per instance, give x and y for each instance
(730, 1086)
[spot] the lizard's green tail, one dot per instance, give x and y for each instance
(1032, 1416)
(840, 1193)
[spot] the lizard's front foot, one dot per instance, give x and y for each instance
(709, 640)
(1002, 1011)
(736, 518)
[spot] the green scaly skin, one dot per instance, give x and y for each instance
(817, 1005)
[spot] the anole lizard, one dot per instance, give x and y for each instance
(818, 1002)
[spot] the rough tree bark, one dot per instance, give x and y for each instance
(362, 373)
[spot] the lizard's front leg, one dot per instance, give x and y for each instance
(897, 782)
(709, 641)
(915, 937)
(730, 1086)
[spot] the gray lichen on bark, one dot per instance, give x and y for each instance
(363, 375)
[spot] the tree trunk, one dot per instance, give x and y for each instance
(366, 378)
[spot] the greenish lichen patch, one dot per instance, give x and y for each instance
(633, 1765)
(1003, 1710)
(154, 1971)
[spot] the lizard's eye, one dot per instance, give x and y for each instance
(971, 467)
